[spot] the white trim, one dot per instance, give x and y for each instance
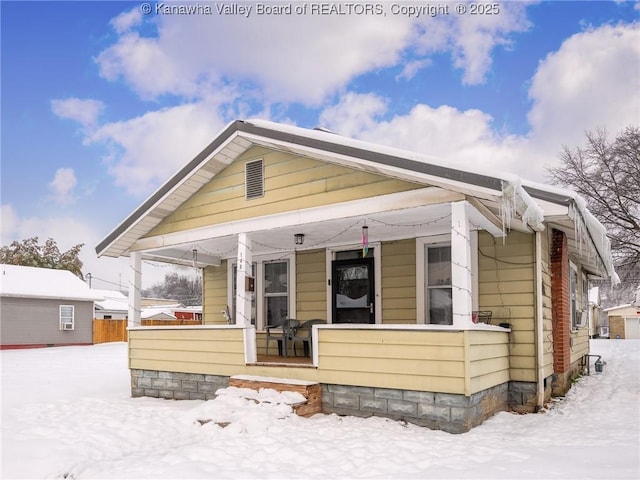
(260, 260)
(135, 284)
(377, 278)
(421, 273)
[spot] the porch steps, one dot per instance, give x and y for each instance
(312, 391)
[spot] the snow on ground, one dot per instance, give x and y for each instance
(67, 413)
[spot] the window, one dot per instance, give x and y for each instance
(276, 292)
(439, 305)
(573, 296)
(254, 179)
(66, 317)
(272, 299)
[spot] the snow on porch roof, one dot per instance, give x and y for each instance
(241, 135)
(33, 282)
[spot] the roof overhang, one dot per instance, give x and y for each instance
(234, 140)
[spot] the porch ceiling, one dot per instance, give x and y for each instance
(420, 221)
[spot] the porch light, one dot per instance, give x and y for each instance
(298, 238)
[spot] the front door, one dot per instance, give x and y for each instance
(353, 290)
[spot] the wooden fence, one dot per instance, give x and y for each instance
(116, 330)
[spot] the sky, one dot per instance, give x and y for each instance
(67, 413)
(103, 101)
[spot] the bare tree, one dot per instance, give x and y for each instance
(184, 289)
(607, 174)
(31, 254)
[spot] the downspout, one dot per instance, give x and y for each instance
(539, 326)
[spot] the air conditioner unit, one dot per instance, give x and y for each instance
(67, 326)
(583, 318)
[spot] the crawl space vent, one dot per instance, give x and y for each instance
(254, 179)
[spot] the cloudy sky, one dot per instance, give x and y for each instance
(103, 101)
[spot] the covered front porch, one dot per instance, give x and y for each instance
(333, 264)
(437, 376)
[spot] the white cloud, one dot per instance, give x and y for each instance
(86, 112)
(591, 81)
(299, 58)
(62, 185)
(147, 150)
(127, 20)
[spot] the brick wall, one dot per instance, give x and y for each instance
(560, 302)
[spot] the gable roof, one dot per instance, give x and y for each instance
(495, 189)
(33, 282)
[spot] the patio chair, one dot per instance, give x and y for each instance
(304, 334)
(284, 332)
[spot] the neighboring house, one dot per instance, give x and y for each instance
(624, 321)
(115, 305)
(448, 295)
(42, 307)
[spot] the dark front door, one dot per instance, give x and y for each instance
(353, 291)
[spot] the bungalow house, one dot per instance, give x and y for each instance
(441, 295)
(43, 307)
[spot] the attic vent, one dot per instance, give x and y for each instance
(254, 179)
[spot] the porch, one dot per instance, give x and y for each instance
(438, 376)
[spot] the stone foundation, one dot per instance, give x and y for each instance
(176, 386)
(439, 411)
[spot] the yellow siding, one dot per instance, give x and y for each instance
(207, 351)
(291, 183)
(488, 359)
(580, 340)
(506, 283)
(412, 360)
(215, 294)
(311, 289)
(448, 362)
(399, 282)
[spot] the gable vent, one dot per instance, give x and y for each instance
(254, 179)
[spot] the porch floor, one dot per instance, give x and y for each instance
(277, 360)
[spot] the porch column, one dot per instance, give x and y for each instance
(244, 281)
(461, 281)
(135, 284)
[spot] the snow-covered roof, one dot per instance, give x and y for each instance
(33, 282)
(528, 201)
(160, 313)
(113, 300)
(626, 306)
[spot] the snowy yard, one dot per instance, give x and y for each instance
(67, 413)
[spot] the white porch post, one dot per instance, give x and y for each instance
(243, 298)
(135, 285)
(461, 278)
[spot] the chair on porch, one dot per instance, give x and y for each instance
(304, 334)
(284, 332)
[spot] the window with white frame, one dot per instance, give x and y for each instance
(272, 299)
(276, 292)
(439, 304)
(66, 317)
